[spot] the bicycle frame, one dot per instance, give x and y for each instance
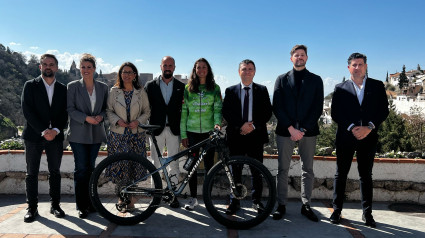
(205, 144)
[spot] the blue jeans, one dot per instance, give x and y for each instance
(84, 157)
(33, 152)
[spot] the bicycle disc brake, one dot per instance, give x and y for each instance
(123, 198)
(240, 192)
(168, 196)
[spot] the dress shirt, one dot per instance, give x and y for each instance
(359, 90)
(50, 89)
(166, 91)
(243, 91)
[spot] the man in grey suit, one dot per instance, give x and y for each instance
(43, 103)
(165, 95)
(297, 104)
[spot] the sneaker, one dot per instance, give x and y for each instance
(193, 202)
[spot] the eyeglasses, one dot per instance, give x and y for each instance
(128, 72)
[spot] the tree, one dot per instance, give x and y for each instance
(393, 134)
(403, 78)
(386, 78)
(327, 135)
(343, 79)
(416, 128)
(419, 68)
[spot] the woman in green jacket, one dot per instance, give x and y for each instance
(201, 113)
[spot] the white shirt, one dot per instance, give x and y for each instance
(50, 90)
(250, 99)
(92, 98)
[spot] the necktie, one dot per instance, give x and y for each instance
(246, 105)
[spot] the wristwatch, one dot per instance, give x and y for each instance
(371, 126)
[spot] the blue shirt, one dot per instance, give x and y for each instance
(359, 90)
(166, 91)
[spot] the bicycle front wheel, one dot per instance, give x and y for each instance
(121, 191)
(254, 184)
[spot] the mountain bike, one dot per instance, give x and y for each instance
(131, 196)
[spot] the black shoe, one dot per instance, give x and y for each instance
(306, 211)
(335, 217)
(280, 211)
(175, 203)
(31, 214)
(57, 211)
(258, 206)
(233, 207)
(369, 221)
(91, 209)
(83, 214)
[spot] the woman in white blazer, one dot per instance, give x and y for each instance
(86, 106)
(128, 106)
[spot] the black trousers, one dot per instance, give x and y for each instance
(365, 153)
(248, 145)
(194, 138)
(33, 152)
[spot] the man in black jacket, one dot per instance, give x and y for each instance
(247, 109)
(297, 104)
(43, 103)
(359, 106)
(165, 95)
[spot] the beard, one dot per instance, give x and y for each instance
(48, 74)
(299, 63)
(167, 74)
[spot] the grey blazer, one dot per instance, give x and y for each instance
(79, 107)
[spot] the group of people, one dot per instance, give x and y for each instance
(187, 113)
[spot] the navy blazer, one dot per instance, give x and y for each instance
(79, 107)
(299, 111)
(261, 112)
(39, 114)
(160, 110)
(346, 109)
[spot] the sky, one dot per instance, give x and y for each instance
(390, 32)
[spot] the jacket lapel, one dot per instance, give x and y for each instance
(239, 102)
(99, 98)
(291, 82)
(84, 95)
(43, 92)
(349, 88)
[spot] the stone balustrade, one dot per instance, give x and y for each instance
(395, 180)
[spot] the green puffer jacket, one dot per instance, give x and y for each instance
(200, 111)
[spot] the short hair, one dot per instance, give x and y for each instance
(298, 47)
(246, 61)
(357, 56)
(88, 58)
(48, 56)
(120, 83)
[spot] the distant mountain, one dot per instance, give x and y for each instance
(15, 70)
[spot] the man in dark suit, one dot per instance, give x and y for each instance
(165, 95)
(44, 107)
(298, 105)
(359, 106)
(247, 109)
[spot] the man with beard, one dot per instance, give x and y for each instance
(43, 103)
(297, 104)
(165, 95)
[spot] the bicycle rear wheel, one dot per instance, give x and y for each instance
(249, 190)
(118, 195)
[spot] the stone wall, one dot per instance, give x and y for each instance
(395, 180)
